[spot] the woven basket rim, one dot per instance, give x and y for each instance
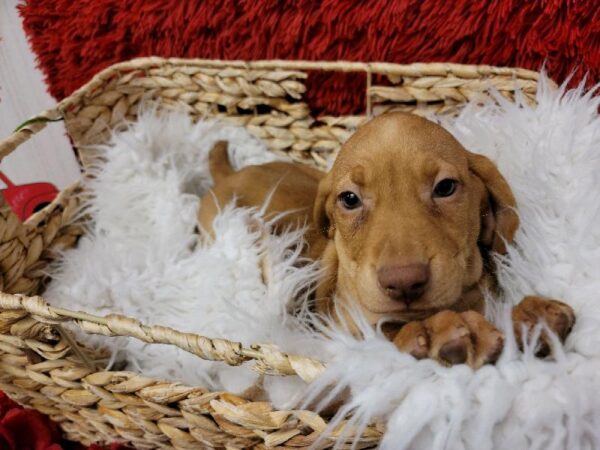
(418, 69)
(270, 360)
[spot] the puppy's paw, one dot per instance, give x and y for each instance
(559, 317)
(452, 338)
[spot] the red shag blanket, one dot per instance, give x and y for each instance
(75, 39)
(26, 429)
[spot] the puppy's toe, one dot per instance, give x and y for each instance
(487, 339)
(413, 338)
(558, 316)
(450, 338)
(455, 351)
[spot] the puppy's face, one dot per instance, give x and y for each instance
(408, 210)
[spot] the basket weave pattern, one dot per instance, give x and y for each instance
(42, 366)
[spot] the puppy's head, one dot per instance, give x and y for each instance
(410, 212)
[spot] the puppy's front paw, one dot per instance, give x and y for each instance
(452, 338)
(559, 317)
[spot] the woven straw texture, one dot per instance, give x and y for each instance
(41, 364)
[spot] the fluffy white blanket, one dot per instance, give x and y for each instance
(142, 258)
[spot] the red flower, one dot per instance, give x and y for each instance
(27, 429)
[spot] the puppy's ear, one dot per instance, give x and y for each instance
(323, 208)
(499, 219)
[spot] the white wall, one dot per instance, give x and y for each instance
(48, 155)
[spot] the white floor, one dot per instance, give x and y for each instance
(47, 156)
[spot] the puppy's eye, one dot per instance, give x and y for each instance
(445, 188)
(349, 200)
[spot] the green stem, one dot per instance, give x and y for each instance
(36, 120)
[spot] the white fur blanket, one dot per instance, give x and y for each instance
(141, 258)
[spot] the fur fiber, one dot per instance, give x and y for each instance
(142, 258)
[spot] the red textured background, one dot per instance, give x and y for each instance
(74, 39)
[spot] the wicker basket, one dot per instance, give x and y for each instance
(41, 366)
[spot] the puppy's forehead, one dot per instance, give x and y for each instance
(397, 138)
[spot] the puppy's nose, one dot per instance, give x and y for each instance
(406, 283)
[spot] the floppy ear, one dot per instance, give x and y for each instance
(323, 209)
(499, 220)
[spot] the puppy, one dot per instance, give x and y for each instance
(288, 190)
(404, 224)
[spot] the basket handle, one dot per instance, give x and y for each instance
(27, 129)
(269, 359)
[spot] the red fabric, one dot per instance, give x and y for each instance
(75, 39)
(26, 429)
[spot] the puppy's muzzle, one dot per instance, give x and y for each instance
(405, 283)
